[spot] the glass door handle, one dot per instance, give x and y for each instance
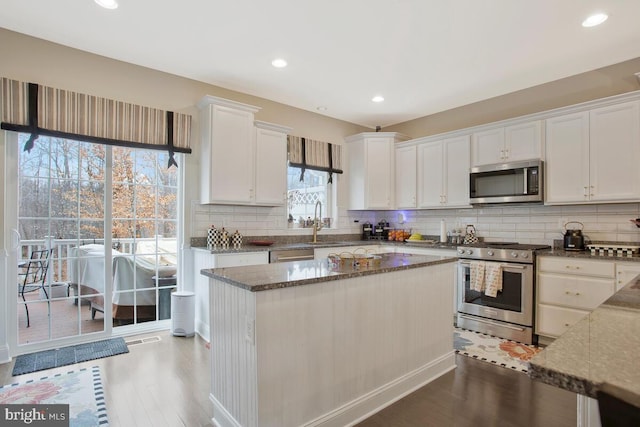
(15, 239)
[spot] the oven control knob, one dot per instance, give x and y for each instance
(514, 254)
(469, 251)
(490, 253)
(524, 255)
(460, 251)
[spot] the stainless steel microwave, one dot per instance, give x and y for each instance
(517, 182)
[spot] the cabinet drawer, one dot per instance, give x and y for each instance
(552, 321)
(573, 291)
(247, 258)
(626, 272)
(576, 266)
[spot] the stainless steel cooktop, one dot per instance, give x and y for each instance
(501, 251)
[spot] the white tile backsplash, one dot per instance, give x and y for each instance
(532, 224)
(525, 224)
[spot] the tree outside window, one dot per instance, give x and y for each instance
(303, 195)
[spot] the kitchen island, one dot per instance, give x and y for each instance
(302, 343)
(600, 348)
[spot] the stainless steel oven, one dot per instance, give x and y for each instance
(510, 313)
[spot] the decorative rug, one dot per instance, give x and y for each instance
(48, 359)
(81, 390)
(499, 351)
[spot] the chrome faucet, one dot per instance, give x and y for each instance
(317, 221)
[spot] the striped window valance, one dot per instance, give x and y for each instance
(306, 153)
(41, 110)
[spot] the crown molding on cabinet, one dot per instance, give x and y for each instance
(396, 135)
(272, 126)
(210, 99)
(543, 115)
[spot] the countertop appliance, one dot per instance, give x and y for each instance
(367, 230)
(573, 238)
(510, 313)
(515, 182)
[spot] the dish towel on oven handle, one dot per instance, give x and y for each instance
(477, 276)
(493, 279)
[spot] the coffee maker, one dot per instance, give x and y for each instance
(367, 231)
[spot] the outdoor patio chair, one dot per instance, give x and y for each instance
(34, 275)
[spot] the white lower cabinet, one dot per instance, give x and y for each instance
(568, 289)
(553, 321)
(626, 272)
(202, 259)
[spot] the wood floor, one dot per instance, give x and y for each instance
(166, 383)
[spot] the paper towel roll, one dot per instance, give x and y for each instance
(443, 231)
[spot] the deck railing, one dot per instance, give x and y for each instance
(61, 251)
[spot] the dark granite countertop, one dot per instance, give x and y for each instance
(328, 244)
(602, 347)
(558, 252)
(281, 275)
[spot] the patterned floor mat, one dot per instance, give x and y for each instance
(499, 351)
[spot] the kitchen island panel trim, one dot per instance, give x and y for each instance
(333, 352)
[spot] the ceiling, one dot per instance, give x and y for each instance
(423, 56)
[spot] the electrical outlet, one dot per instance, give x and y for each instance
(250, 330)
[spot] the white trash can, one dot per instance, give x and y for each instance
(183, 313)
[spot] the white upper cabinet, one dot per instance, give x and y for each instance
(567, 162)
(371, 160)
(458, 159)
(443, 173)
(431, 174)
(615, 152)
(487, 147)
(406, 177)
(593, 156)
(240, 164)
(513, 143)
(227, 157)
(271, 164)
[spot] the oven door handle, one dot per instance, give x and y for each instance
(505, 266)
(489, 322)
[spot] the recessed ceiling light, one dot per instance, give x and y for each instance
(377, 98)
(595, 19)
(279, 63)
(321, 108)
(108, 4)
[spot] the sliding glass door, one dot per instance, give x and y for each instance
(144, 231)
(61, 208)
(98, 239)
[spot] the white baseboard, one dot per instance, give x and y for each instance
(222, 417)
(202, 329)
(376, 400)
(5, 356)
(366, 405)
